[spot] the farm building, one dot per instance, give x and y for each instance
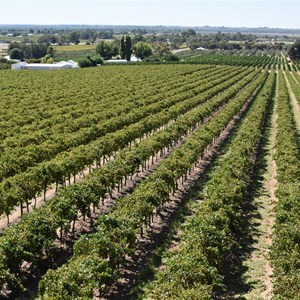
(120, 61)
(60, 65)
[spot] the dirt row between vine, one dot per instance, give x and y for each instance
(258, 274)
(154, 235)
(295, 104)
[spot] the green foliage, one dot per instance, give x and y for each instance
(195, 268)
(80, 282)
(142, 50)
(33, 60)
(115, 236)
(128, 47)
(107, 49)
(31, 50)
(74, 37)
(48, 39)
(161, 49)
(233, 60)
(294, 51)
(85, 62)
(285, 248)
(170, 57)
(50, 51)
(47, 59)
(16, 53)
(5, 64)
(123, 48)
(73, 200)
(188, 33)
(128, 120)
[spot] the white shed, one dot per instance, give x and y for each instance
(121, 61)
(36, 66)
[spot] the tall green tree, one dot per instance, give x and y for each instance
(128, 47)
(122, 48)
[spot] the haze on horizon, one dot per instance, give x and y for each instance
(238, 13)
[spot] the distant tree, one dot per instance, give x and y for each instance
(74, 37)
(176, 40)
(50, 51)
(107, 49)
(161, 49)
(139, 31)
(294, 51)
(106, 35)
(47, 39)
(16, 33)
(142, 50)
(31, 50)
(170, 57)
(86, 34)
(63, 39)
(90, 61)
(122, 48)
(193, 43)
(84, 63)
(188, 33)
(96, 59)
(138, 38)
(16, 53)
(25, 39)
(38, 50)
(238, 37)
(128, 47)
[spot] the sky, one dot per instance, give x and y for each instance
(238, 13)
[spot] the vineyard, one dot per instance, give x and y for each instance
(140, 181)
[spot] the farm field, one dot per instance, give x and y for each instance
(32, 38)
(151, 181)
(73, 52)
(74, 47)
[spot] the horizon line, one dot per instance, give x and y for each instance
(137, 25)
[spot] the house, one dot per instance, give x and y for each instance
(36, 66)
(120, 61)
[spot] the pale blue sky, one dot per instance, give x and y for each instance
(259, 13)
